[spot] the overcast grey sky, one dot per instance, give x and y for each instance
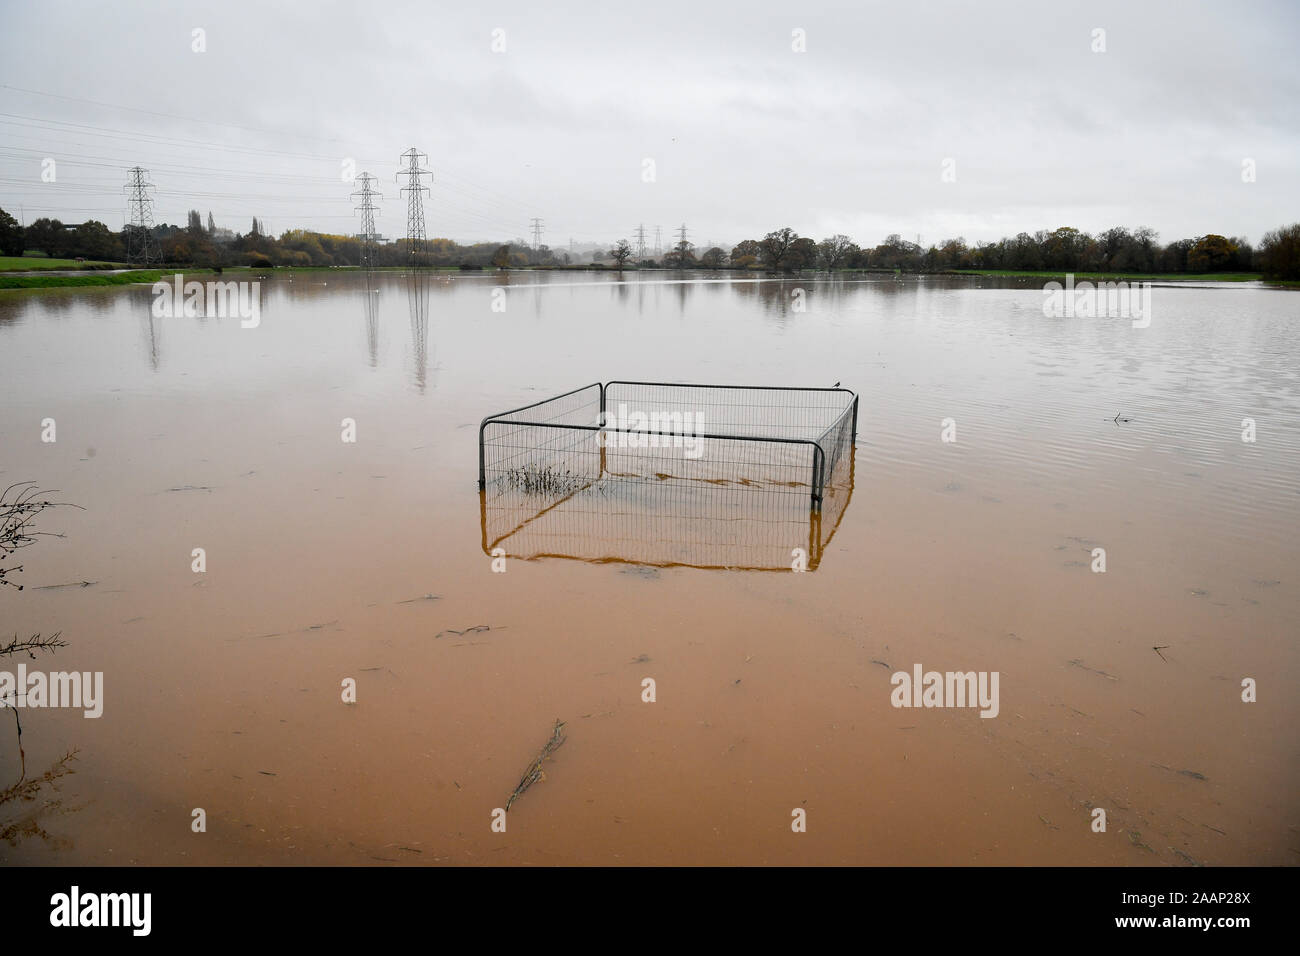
(746, 134)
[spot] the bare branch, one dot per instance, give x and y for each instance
(20, 504)
(34, 643)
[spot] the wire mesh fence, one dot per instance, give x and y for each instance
(745, 411)
(663, 474)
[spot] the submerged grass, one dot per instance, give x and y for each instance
(534, 479)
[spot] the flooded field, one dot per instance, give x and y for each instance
(328, 560)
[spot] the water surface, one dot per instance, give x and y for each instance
(329, 560)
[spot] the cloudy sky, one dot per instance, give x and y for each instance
(744, 132)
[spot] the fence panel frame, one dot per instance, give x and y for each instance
(818, 477)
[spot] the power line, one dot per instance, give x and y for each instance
(177, 169)
(492, 220)
(640, 242)
(537, 234)
(155, 139)
(188, 119)
(483, 197)
(100, 187)
(482, 209)
(494, 214)
(272, 132)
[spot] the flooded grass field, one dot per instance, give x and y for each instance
(328, 560)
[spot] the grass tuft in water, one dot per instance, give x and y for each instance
(533, 479)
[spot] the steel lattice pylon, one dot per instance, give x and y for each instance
(139, 230)
(416, 238)
(367, 193)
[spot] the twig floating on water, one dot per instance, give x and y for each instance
(1182, 773)
(469, 630)
(422, 597)
(534, 772)
(1135, 837)
(1078, 662)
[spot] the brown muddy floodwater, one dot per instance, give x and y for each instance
(328, 560)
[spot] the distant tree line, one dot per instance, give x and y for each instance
(206, 245)
(1116, 250)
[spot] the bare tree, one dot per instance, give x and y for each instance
(621, 253)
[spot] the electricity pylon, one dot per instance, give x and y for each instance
(367, 194)
(416, 238)
(139, 204)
